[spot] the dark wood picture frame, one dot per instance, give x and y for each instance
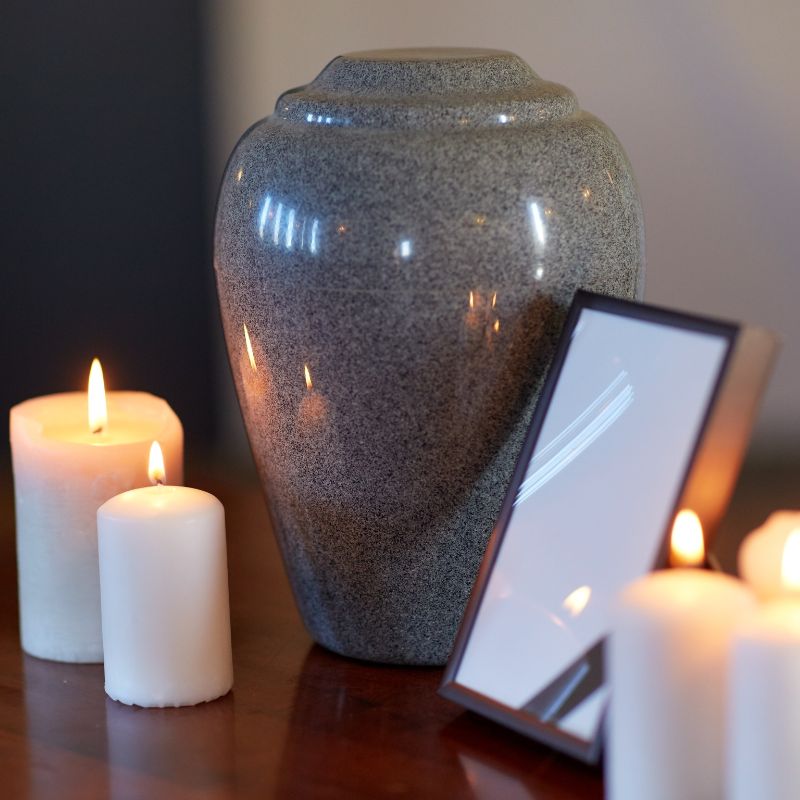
(719, 448)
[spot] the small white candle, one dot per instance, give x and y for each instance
(666, 662)
(164, 595)
(761, 553)
(72, 452)
(764, 694)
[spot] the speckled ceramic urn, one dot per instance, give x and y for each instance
(395, 250)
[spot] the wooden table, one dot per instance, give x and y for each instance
(301, 722)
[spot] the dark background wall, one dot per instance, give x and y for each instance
(104, 207)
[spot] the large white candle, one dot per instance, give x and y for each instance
(164, 595)
(70, 455)
(761, 554)
(764, 694)
(666, 661)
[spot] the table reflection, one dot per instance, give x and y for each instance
(497, 763)
(62, 718)
(488, 782)
(355, 728)
(192, 747)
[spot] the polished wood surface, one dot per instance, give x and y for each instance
(300, 722)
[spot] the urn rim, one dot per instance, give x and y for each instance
(426, 87)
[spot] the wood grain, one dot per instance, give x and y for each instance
(301, 722)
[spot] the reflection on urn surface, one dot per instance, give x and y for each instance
(418, 280)
(313, 410)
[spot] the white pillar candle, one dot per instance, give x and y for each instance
(67, 462)
(761, 554)
(764, 685)
(164, 596)
(764, 706)
(666, 662)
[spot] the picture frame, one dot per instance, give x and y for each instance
(677, 391)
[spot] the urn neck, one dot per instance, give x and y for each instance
(425, 88)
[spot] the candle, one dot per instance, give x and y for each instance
(761, 552)
(164, 594)
(72, 452)
(666, 661)
(764, 693)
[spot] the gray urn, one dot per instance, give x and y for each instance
(395, 250)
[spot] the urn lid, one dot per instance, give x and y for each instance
(425, 88)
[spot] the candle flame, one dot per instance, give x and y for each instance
(155, 466)
(309, 384)
(687, 544)
(98, 410)
(577, 600)
(471, 300)
(496, 326)
(790, 563)
(249, 349)
(494, 299)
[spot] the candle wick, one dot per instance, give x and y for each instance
(98, 430)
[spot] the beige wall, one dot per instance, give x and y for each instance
(702, 95)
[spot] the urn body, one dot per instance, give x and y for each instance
(395, 250)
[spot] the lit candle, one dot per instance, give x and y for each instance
(71, 452)
(761, 553)
(666, 662)
(764, 693)
(164, 594)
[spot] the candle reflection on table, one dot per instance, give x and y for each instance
(148, 752)
(151, 750)
(55, 721)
